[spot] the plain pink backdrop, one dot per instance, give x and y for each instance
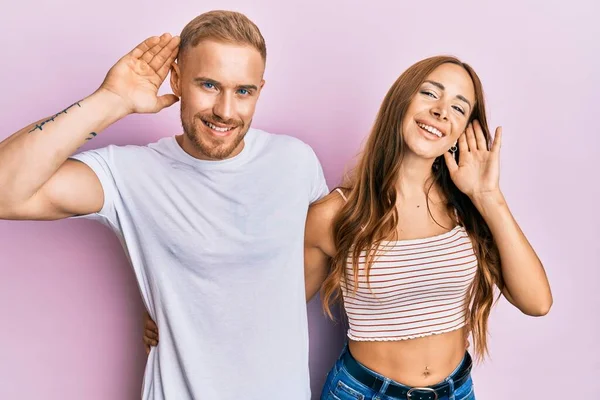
(70, 313)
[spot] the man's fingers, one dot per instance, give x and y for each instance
(143, 47)
(167, 100)
(168, 64)
(150, 342)
(150, 334)
(154, 50)
(165, 53)
(149, 324)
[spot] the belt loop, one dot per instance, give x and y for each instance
(450, 388)
(384, 386)
(344, 351)
(339, 363)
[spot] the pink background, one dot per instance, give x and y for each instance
(70, 314)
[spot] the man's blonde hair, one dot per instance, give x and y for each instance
(222, 26)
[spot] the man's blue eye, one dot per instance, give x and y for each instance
(208, 85)
(243, 91)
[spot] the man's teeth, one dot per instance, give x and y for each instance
(431, 129)
(216, 128)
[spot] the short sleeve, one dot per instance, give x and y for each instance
(100, 161)
(319, 187)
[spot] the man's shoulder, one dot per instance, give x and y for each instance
(287, 144)
(129, 151)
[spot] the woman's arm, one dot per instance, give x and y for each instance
(477, 175)
(318, 242)
(526, 284)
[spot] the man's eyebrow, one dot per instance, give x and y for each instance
(202, 79)
(248, 87)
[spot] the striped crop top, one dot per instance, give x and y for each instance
(417, 288)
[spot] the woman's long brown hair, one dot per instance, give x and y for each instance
(370, 216)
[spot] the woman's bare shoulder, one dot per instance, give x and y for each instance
(327, 207)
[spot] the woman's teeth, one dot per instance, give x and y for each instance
(216, 128)
(430, 129)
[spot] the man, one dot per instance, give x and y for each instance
(212, 220)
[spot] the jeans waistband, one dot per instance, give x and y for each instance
(377, 382)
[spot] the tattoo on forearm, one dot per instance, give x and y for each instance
(41, 124)
(92, 135)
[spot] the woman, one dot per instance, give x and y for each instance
(416, 242)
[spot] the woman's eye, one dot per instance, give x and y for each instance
(460, 110)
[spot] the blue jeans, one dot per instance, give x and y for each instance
(341, 385)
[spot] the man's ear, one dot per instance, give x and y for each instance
(176, 79)
(260, 87)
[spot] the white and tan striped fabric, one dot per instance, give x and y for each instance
(416, 288)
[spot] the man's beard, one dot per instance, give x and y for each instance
(214, 148)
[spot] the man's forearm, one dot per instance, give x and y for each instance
(32, 155)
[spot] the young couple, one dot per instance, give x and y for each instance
(217, 224)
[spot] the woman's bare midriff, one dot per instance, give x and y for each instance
(414, 362)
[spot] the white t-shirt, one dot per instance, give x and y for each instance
(217, 249)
